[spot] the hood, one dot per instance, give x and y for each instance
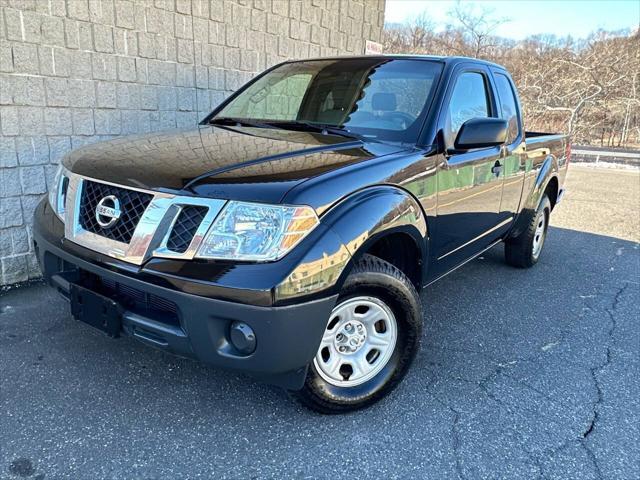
(240, 163)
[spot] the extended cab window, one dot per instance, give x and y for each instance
(468, 100)
(372, 97)
(508, 102)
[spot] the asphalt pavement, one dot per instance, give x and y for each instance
(523, 374)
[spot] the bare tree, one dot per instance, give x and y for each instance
(589, 87)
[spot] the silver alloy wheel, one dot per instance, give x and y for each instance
(358, 342)
(540, 234)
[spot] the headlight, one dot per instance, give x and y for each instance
(257, 232)
(58, 192)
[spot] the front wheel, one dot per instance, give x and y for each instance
(371, 338)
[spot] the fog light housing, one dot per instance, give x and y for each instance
(242, 337)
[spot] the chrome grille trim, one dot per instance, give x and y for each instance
(150, 235)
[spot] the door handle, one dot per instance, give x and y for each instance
(497, 169)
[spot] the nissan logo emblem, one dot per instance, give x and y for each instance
(108, 211)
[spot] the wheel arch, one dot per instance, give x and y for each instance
(385, 221)
(547, 176)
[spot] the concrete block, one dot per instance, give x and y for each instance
(186, 98)
(53, 62)
(32, 150)
(31, 120)
(53, 31)
(184, 27)
(32, 180)
(6, 246)
(106, 95)
(58, 148)
(14, 269)
(80, 64)
(83, 93)
(167, 99)
(146, 45)
(31, 26)
(9, 120)
(6, 59)
(26, 90)
(185, 75)
(216, 78)
(10, 182)
(8, 155)
(186, 119)
(107, 122)
(57, 121)
(185, 51)
(103, 66)
(82, 119)
(57, 92)
(148, 97)
(29, 204)
(124, 14)
(128, 96)
(20, 240)
(71, 33)
(10, 212)
(78, 9)
(25, 58)
(103, 38)
(13, 20)
(126, 69)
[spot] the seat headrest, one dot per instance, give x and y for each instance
(384, 101)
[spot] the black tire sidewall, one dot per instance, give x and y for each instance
(401, 299)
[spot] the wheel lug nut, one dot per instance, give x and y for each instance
(348, 327)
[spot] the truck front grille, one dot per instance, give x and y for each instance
(185, 227)
(132, 204)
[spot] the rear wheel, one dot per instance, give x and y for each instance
(369, 343)
(524, 250)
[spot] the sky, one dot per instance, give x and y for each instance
(577, 18)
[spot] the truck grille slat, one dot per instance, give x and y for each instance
(188, 221)
(160, 308)
(132, 203)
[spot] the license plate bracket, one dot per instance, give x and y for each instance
(97, 310)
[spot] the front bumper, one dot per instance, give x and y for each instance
(191, 325)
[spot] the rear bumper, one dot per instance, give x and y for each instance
(287, 337)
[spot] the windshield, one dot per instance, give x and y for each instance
(383, 99)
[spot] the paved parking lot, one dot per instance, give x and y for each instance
(523, 374)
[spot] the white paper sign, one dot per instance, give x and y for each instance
(372, 48)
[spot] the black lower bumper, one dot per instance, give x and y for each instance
(287, 337)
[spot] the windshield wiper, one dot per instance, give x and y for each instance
(239, 122)
(299, 125)
(316, 127)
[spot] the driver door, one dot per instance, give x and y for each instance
(469, 182)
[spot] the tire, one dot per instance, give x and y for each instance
(524, 250)
(376, 296)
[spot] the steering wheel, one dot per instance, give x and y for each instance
(402, 118)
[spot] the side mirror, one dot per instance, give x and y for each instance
(481, 133)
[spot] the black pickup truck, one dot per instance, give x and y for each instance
(290, 234)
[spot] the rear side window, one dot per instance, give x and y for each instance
(508, 102)
(468, 100)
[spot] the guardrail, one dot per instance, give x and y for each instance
(598, 154)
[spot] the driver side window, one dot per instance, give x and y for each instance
(468, 100)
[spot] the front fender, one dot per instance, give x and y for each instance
(347, 230)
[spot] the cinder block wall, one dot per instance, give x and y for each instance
(79, 71)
